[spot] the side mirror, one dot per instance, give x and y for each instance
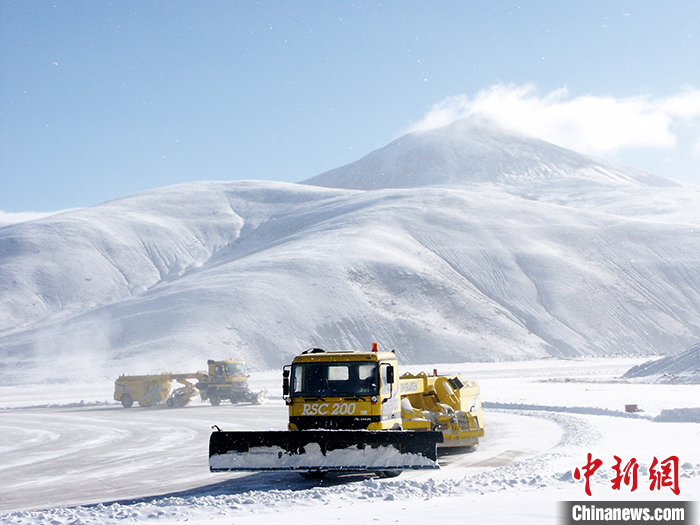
(285, 382)
(390, 374)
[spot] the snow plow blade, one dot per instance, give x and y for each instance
(323, 450)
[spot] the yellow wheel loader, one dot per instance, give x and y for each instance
(224, 380)
(350, 411)
(227, 381)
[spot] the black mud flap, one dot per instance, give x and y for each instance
(323, 450)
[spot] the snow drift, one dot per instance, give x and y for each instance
(476, 244)
(681, 368)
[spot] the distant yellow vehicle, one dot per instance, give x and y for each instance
(224, 380)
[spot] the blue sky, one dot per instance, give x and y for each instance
(101, 99)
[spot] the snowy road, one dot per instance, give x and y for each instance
(541, 420)
(68, 456)
(76, 456)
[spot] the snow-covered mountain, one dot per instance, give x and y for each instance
(464, 243)
(476, 151)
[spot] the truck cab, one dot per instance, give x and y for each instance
(347, 390)
(228, 371)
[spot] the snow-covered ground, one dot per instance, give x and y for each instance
(71, 455)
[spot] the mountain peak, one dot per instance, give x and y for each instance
(476, 150)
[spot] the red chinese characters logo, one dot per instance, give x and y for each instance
(662, 474)
(588, 470)
(626, 475)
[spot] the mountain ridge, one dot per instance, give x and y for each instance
(262, 270)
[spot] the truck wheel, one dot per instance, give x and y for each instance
(313, 474)
(214, 399)
(127, 401)
(389, 473)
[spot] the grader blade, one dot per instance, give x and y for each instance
(323, 450)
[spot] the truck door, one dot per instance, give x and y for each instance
(391, 406)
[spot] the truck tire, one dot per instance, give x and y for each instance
(214, 399)
(126, 400)
(389, 473)
(313, 474)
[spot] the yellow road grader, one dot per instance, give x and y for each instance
(224, 380)
(350, 411)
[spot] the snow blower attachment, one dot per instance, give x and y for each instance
(349, 411)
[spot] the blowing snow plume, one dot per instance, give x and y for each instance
(477, 245)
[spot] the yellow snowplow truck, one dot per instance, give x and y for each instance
(350, 411)
(224, 380)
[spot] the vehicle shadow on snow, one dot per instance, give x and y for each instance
(273, 481)
(255, 482)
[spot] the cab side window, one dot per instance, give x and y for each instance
(386, 384)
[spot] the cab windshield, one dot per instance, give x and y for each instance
(334, 379)
(236, 369)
